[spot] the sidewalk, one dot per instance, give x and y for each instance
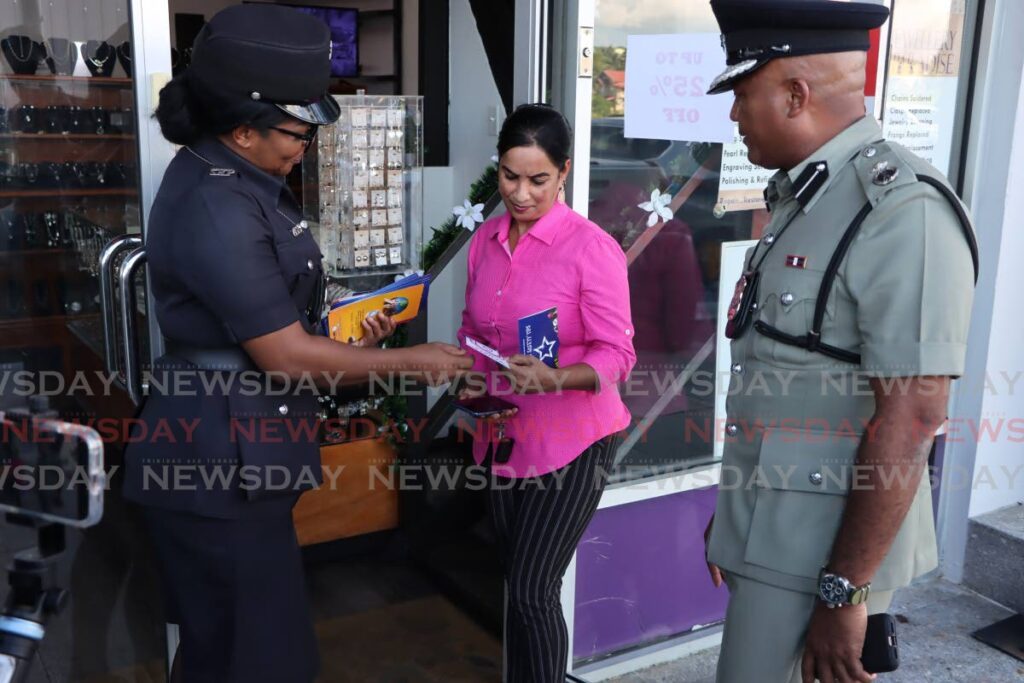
(937, 619)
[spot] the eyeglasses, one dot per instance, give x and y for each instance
(306, 138)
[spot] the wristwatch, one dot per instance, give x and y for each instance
(838, 591)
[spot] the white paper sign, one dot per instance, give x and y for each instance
(924, 60)
(920, 114)
(741, 184)
(667, 78)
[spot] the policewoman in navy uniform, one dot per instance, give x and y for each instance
(851, 319)
(237, 284)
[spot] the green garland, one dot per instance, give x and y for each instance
(479, 192)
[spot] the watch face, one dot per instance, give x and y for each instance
(833, 589)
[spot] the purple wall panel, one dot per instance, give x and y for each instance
(938, 462)
(641, 576)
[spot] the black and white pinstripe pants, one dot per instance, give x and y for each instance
(539, 521)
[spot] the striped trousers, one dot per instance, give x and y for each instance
(539, 521)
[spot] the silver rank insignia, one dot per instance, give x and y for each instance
(883, 174)
(298, 228)
(222, 172)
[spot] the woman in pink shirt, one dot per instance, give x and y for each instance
(551, 457)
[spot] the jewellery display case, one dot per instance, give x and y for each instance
(364, 186)
(68, 181)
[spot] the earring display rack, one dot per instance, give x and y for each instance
(364, 186)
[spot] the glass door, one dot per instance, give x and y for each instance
(71, 167)
(657, 194)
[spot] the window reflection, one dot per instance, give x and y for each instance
(674, 267)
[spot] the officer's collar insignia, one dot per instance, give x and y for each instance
(883, 174)
(810, 180)
(793, 261)
(298, 228)
(222, 172)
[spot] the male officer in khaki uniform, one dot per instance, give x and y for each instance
(854, 310)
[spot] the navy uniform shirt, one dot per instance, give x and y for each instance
(229, 259)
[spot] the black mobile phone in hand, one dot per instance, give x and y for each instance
(484, 406)
(881, 648)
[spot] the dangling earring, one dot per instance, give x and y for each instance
(561, 192)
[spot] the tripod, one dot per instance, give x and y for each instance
(34, 598)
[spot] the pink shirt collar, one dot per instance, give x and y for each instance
(545, 229)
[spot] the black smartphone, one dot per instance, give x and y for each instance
(881, 653)
(483, 406)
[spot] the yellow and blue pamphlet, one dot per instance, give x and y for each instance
(401, 301)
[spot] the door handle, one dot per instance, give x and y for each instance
(126, 296)
(108, 306)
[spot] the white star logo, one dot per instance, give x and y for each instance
(546, 349)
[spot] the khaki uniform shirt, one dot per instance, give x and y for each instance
(901, 299)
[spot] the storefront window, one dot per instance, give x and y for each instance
(674, 276)
(68, 174)
(926, 59)
(68, 185)
(716, 195)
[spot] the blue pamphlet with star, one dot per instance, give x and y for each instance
(538, 336)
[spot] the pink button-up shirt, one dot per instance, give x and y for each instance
(563, 261)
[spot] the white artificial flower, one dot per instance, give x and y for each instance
(468, 215)
(658, 207)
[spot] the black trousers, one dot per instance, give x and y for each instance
(236, 588)
(539, 521)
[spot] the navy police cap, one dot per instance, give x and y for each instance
(754, 32)
(267, 53)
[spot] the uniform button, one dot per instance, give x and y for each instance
(870, 152)
(787, 298)
(816, 478)
(310, 265)
(731, 429)
(283, 409)
(769, 238)
(304, 224)
(737, 369)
